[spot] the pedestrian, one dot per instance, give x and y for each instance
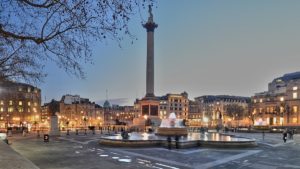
(284, 134)
(169, 140)
(177, 142)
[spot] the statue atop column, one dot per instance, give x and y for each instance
(150, 19)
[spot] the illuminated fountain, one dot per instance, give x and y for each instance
(172, 127)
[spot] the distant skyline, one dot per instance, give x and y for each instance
(202, 47)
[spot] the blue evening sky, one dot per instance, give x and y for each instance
(203, 47)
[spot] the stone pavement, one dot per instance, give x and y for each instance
(9, 159)
(84, 152)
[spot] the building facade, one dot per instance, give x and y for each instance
(213, 110)
(279, 106)
(20, 105)
(177, 103)
(76, 112)
(118, 115)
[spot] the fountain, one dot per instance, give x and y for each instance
(172, 127)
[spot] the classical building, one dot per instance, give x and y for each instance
(75, 112)
(279, 106)
(116, 115)
(212, 110)
(177, 103)
(20, 105)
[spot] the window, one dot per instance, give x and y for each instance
(20, 103)
(295, 95)
(281, 109)
(28, 110)
(1, 109)
(254, 100)
(260, 100)
(1, 102)
(20, 89)
(260, 110)
(10, 102)
(28, 103)
(35, 103)
(20, 109)
(295, 109)
(295, 88)
(28, 89)
(34, 110)
(10, 109)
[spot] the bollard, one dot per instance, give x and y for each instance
(68, 132)
(38, 133)
(76, 131)
(93, 131)
(84, 131)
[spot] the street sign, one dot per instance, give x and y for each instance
(46, 137)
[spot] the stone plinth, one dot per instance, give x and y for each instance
(54, 129)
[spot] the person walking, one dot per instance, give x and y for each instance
(284, 134)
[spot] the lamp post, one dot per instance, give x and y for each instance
(146, 118)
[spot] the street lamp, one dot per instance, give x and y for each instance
(146, 118)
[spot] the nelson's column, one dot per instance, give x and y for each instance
(149, 104)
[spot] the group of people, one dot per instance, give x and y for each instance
(288, 134)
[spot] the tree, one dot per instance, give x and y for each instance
(35, 31)
(235, 111)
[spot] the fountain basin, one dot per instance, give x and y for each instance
(169, 131)
(188, 141)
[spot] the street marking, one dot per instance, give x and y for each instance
(226, 160)
(154, 158)
(76, 141)
(166, 166)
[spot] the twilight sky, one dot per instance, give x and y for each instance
(203, 47)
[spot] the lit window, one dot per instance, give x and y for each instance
(281, 99)
(1, 109)
(28, 110)
(260, 110)
(295, 88)
(28, 103)
(20, 109)
(20, 89)
(10, 102)
(281, 109)
(254, 100)
(20, 103)
(295, 95)
(34, 110)
(295, 109)
(35, 103)
(28, 89)
(10, 109)
(2, 102)
(260, 100)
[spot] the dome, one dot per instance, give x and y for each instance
(106, 104)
